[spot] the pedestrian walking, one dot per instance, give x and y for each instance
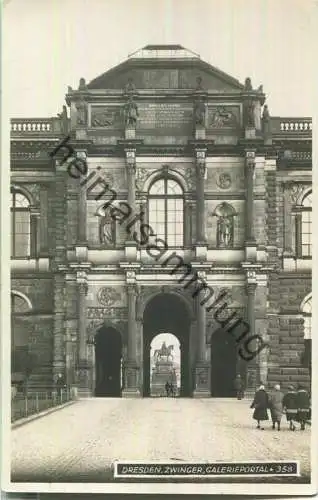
(290, 407)
(238, 386)
(276, 406)
(167, 387)
(303, 406)
(260, 405)
(60, 385)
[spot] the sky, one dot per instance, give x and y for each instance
(50, 44)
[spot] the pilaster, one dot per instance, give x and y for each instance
(202, 368)
(130, 244)
(201, 243)
(250, 243)
(83, 368)
(132, 382)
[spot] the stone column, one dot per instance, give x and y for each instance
(82, 208)
(83, 365)
(202, 367)
(59, 325)
(131, 368)
(130, 246)
(249, 180)
(200, 174)
(252, 368)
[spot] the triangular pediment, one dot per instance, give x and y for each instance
(165, 67)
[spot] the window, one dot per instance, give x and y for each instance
(306, 215)
(306, 310)
(225, 225)
(165, 207)
(20, 225)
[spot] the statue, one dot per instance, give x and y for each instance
(248, 84)
(249, 117)
(63, 120)
(131, 112)
(199, 84)
(199, 112)
(82, 84)
(130, 86)
(257, 110)
(69, 89)
(106, 231)
(81, 115)
(260, 89)
(221, 117)
(266, 121)
(164, 352)
(225, 231)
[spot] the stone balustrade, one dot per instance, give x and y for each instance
(35, 126)
(282, 125)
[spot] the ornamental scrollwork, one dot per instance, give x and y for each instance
(108, 296)
(141, 175)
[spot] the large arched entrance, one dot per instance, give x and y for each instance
(167, 312)
(223, 364)
(108, 362)
(165, 365)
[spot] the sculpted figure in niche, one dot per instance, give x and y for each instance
(199, 83)
(131, 113)
(199, 112)
(225, 231)
(107, 231)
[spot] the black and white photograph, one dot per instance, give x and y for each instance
(157, 243)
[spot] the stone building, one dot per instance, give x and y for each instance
(163, 198)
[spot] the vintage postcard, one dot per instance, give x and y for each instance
(157, 244)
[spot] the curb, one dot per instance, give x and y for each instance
(35, 416)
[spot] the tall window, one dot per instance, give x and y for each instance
(165, 207)
(20, 225)
(306, 310)
(306, 216)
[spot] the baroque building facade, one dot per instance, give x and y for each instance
(163, 198)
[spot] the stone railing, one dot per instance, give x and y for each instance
(36, 126)
(291, 126)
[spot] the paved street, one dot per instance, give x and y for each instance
(79, 442)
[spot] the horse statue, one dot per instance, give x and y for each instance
(164, 352)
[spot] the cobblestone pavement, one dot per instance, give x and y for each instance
(79, 442)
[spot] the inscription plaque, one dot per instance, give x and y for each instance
(165, 116)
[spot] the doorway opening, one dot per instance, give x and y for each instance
(223, 364)
(167, 312)
(165, 364)
(108, 359)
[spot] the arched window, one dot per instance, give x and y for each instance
(304, 231)
(20, 225)
(21, 360)
(225, 225)
(165, 211)
(306, 310)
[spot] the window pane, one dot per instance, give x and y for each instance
(173, 187)
(157, 187)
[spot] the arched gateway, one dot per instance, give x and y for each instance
(108, 362)
(167, 312)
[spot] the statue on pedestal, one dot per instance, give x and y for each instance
(81, 112)
(131, 112)
(164, 352)
(130, 86)
(82, 84)
(248, 84)
(225, 231)
(248, 113)
(63, 120)
(266, 121)
(199, 112)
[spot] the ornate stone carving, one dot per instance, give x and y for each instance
(34, 190)
(224, 181)
(248, 84)
(108, 296)
(82, 84)
(141, 175)
(222, 117)
(102, 118)
(129, 87)
(107, 230)
(199, 111)
(296, 192)
(104, 313)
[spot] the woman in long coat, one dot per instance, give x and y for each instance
(290, 405)
(303, 406)
(276, 406)
(260, 405)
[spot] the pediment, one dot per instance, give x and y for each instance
(173, 73)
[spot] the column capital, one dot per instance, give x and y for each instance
(250, 158)
(250, 288)
(81, 280)
(130, 278)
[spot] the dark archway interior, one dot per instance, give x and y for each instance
(166, 313)
(223, 364)
(108, 354)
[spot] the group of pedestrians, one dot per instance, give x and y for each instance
(169, 389)
(295, 404)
